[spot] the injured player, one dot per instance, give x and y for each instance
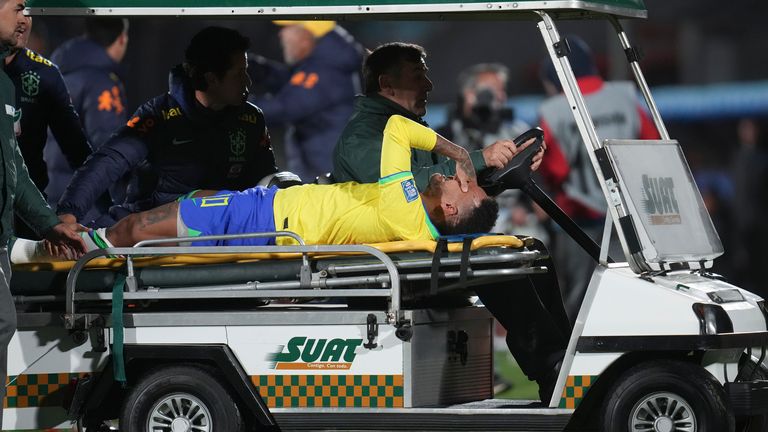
(343, 213)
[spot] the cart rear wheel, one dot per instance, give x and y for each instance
(180, 399)
(667, 396)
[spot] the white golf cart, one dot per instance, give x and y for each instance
(180, 339)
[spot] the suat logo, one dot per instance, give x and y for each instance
(659, 200)
(306, 353)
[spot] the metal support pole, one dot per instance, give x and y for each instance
(640, 79)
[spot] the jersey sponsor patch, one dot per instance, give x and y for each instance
(409, 190)
(38, 58)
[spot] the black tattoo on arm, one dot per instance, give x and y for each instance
(159, 214)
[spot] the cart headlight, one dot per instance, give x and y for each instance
(712, 319)
(764, 310)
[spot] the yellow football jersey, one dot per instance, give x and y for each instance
(354, 213)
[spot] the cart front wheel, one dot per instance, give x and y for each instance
(667, 396)
(180, 399)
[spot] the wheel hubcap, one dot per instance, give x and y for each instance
(662, 412)
(179, 412)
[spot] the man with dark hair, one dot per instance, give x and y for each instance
(202, 134)
(42, 101)
(19, 195)
(531, 311)
(344, 213)
(396, 82)
(90, 65)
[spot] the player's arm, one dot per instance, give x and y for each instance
(123, 152)
(402, 134)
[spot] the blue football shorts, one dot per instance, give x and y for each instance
(229, 212)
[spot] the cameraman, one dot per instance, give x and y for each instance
(481, 116)
(479, 119)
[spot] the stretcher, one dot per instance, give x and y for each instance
(398, 273)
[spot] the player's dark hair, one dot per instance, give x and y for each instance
(388, 59)
(211, 50)
(105, 30)
(480, 220)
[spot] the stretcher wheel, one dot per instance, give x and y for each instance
(180, 398)
(667, 395)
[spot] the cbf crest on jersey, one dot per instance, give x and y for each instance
(30, 83)
(237, 142)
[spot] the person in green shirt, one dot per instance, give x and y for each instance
(18, 194)
(396, 83)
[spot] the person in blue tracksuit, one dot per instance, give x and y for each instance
(313, 94)
(202, 134)
(90, 65)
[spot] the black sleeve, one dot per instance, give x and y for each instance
(120, 154)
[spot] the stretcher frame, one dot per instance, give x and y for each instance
(385, 276)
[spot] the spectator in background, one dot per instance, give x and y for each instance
(42, 101)
(313, 94)
(567, 169)
(91, 68)
(750, 175)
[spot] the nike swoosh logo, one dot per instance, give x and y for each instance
(179, 142)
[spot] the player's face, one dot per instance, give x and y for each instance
(12, 22)
(449, 190)
(411, 87)
(232, 88)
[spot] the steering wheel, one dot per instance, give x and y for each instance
(517, 175)
(517, 171)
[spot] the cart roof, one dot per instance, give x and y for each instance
(422, 9)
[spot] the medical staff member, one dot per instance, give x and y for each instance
(202, 134)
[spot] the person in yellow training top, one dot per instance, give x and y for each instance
(343, 213)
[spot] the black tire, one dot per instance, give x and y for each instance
(179, 389)
(748, 371)
(687, 390)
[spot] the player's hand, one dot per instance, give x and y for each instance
(65, 236)
(465, 171)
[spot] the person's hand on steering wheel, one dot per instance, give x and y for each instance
(539, 156)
